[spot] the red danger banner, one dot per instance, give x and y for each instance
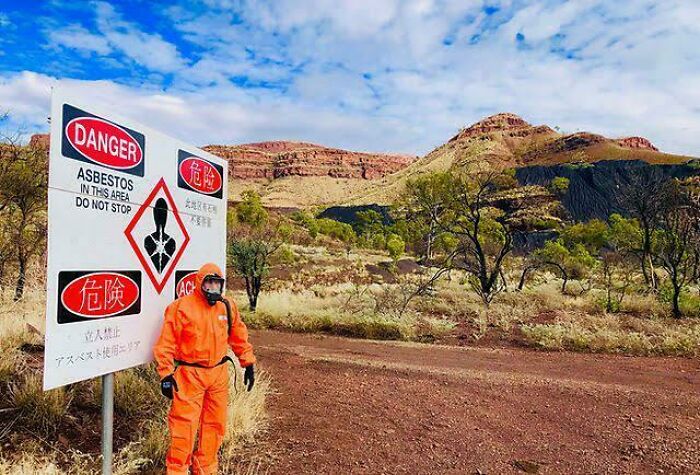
(91, 295)
(92, 139)
(199, 175)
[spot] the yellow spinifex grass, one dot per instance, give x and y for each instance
(39, 414)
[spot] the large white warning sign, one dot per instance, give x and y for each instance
(132, 213)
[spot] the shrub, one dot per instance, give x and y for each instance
(250, 210)
(688, 302)
(559, 185)
(336, 230)
(395, 246)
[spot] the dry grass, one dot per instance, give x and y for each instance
(545, 318)
(614, 334)
(38, 417)
(540, 315)
(345, 311)
(39, 410)
(137, 392)
(247, 416)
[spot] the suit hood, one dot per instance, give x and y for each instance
(207, 269)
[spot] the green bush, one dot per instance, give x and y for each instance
(395, 246)
(306, 220)
(559, 185)
(336, 230)
(250, 210)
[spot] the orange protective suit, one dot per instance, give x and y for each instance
(195, 332)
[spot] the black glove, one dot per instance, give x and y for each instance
(167, 385)
(249, 377)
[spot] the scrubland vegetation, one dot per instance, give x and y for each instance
(58, 431)
(445, 268)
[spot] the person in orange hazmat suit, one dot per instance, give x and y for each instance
(191, 360)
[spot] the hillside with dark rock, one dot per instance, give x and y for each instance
(596, 190)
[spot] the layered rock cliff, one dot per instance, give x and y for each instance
(507, 141)
(283, 158)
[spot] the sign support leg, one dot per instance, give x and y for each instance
(107, 422)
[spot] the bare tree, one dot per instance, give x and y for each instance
(643, 200)
(679, 241)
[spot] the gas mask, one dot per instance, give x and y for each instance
(213, 288)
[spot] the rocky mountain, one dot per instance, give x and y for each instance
(278, 159)
(39, 141)
(297, 174)
(507, 141)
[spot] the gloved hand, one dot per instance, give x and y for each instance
(249, 377)
(167, 385)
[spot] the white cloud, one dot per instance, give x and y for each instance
(405, 75)
(148, 50)
(114, 34)
(77, 37)
(354, 19)
(211, 115)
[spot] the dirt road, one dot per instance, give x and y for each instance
(353, 406)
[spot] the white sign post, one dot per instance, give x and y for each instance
(132, 213)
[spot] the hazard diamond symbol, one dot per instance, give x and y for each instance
(157, 235)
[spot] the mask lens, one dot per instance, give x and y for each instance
(212, 285)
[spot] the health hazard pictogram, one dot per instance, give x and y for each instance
(157, 235)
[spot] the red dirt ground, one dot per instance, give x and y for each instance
(362, 407)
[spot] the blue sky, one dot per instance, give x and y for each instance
(376, 75)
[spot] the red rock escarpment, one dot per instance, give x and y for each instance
(283, 158)
(504, 124)
(637, 142)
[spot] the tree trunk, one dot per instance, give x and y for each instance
(249, 293)
(429, 248)
(523, 276)
(646, 255)
(503, 279)
(645, 273)
(652, 273)
(565, 278)
(676, 302)
(21, 278)
(257, 284)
